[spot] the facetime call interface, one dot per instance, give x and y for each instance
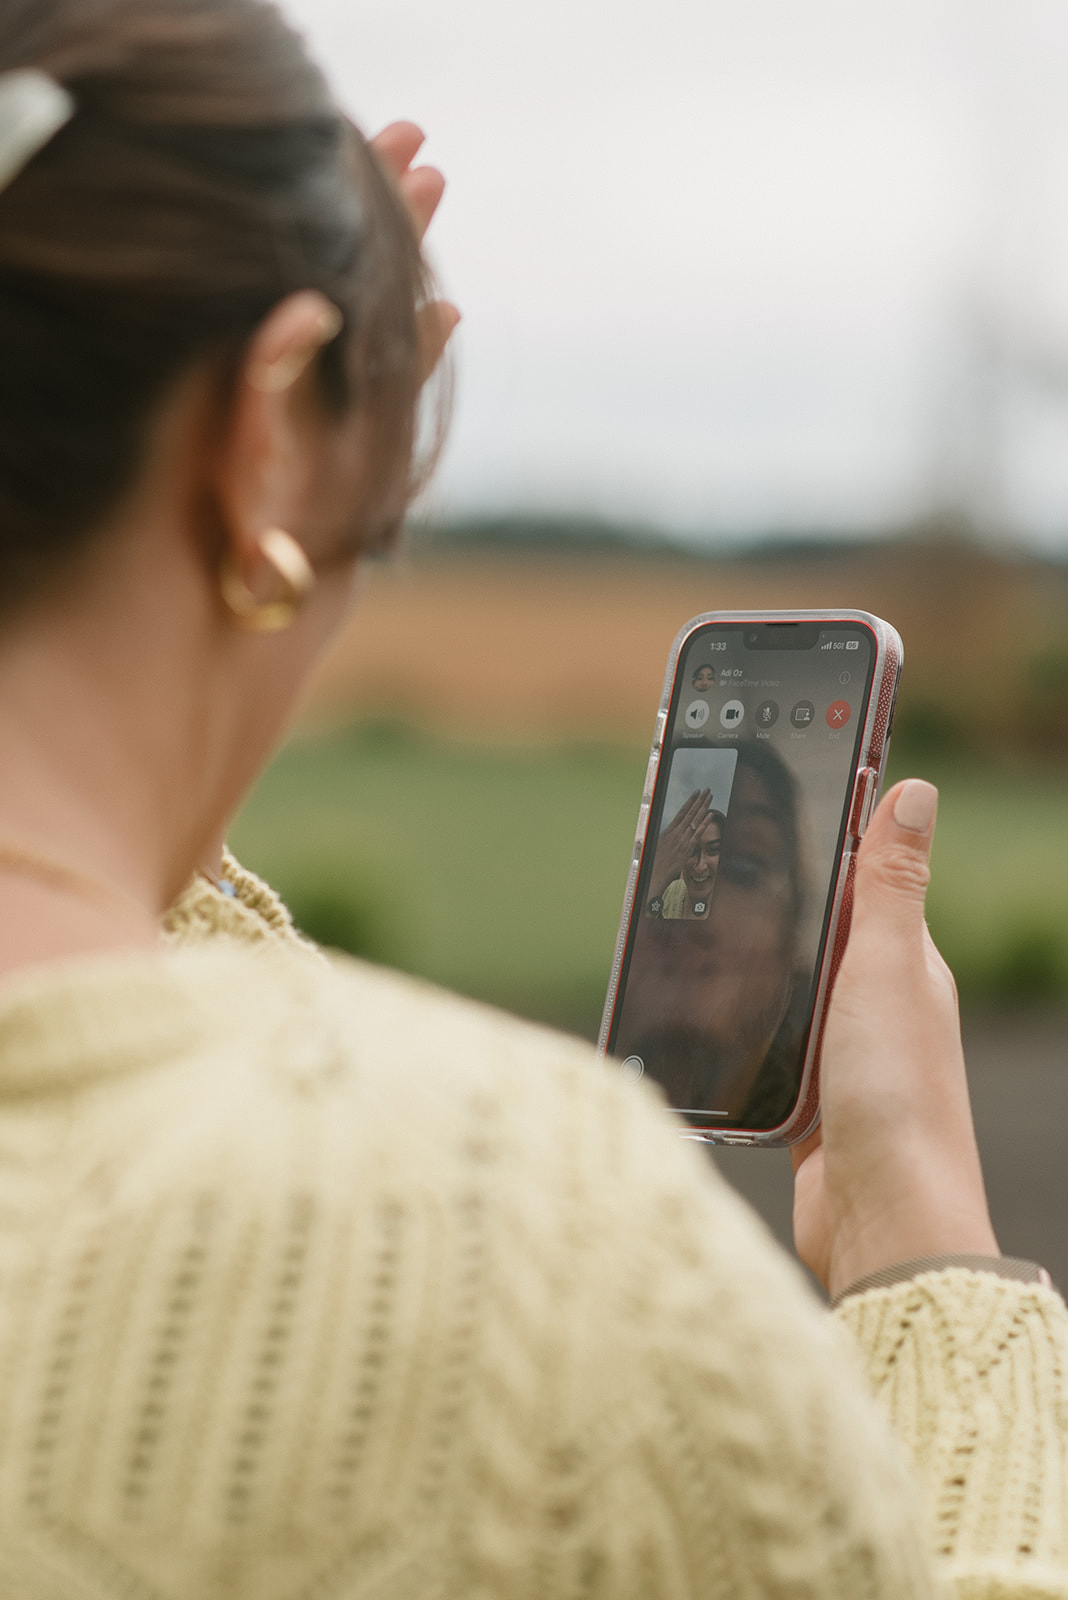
(736, 878)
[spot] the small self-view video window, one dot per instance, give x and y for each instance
(686, 860)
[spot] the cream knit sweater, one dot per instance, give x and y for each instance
(319, 1284)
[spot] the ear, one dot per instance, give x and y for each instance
(261, 459)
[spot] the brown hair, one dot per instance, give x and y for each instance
(206, 174)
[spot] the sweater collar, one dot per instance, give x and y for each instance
(98, 1016)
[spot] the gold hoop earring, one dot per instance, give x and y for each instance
(284, 554)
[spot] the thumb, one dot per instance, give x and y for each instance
(892, 862)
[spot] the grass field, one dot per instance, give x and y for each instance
(496, 872)
(998, 903)
(499, 871)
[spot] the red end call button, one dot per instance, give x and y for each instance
(838, 714)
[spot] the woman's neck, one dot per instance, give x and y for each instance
(96, 785)
(73, 847)
(41, 922)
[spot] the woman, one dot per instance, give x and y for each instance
(689, 843)
(317, 1282)
(690, 894)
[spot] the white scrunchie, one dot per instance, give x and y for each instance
(33, 108)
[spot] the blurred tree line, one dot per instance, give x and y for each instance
(985, 627)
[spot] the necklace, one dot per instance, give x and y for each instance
(31, 863)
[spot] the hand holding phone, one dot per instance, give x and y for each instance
(767, 759)
(893, 1173)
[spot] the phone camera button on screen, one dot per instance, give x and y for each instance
(767, 714)
(696, 714)
(731, 714)
(838, 714)
(632, 1067)
(802, 714)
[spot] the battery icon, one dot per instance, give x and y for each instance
(852, 644)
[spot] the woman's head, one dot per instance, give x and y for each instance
(214, 327)
(205, 176)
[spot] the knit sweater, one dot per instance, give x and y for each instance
(319, 1284)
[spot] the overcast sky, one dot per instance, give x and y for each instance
(739, 264)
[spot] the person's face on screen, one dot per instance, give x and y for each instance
(702, 862)
(704, 679)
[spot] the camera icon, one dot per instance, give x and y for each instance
(731, 714)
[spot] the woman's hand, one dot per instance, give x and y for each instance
(893, 1172)
(421, 189)
(676, 841)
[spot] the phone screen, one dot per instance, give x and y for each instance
(746, 823)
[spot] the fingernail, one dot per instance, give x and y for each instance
(916, 805)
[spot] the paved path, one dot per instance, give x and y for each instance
(1018, 1069)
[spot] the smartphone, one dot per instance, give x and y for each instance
(768, 758)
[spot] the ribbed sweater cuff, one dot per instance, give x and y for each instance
(1013, 1267)
(969, 1368)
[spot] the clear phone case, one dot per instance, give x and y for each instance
(866, 783)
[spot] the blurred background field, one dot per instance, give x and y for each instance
(461, 798)
(499, 871)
